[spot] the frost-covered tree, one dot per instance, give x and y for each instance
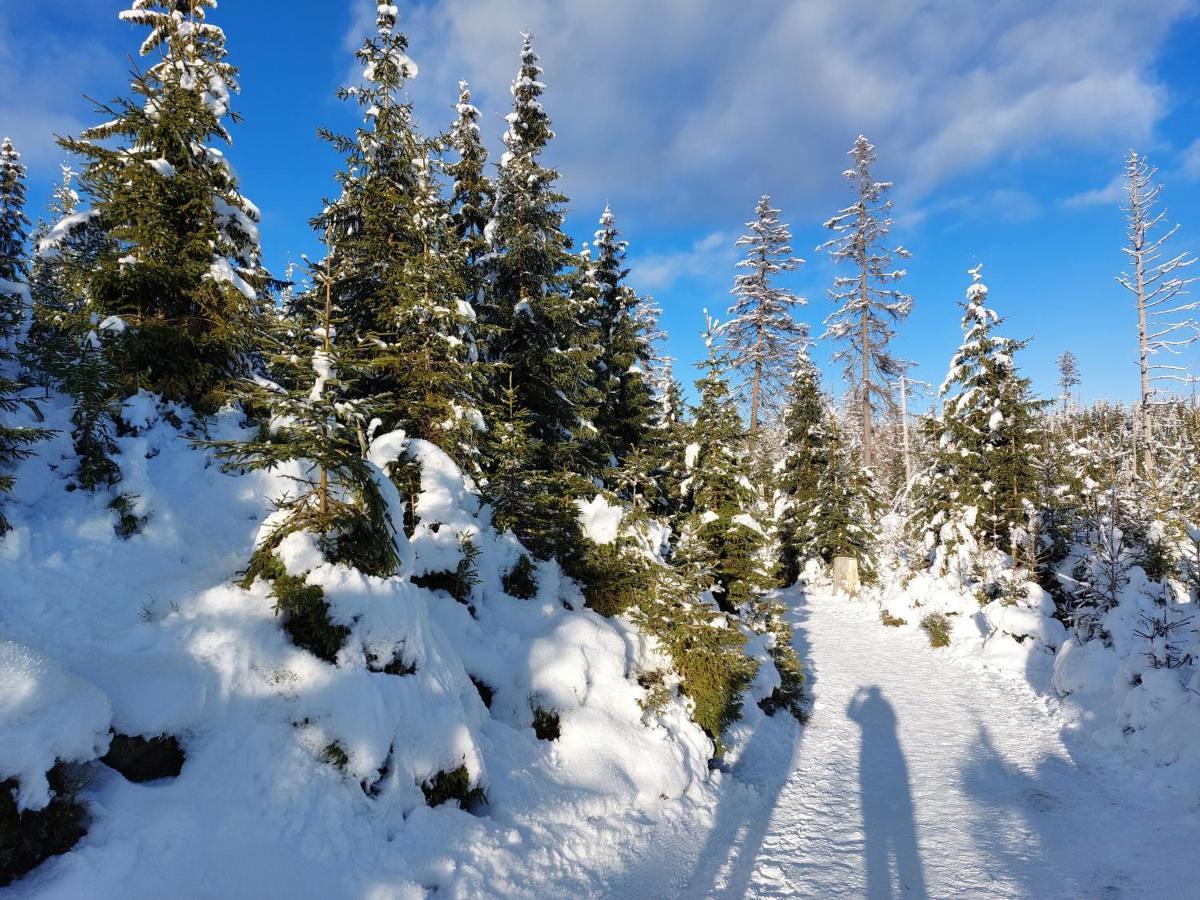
(540, 338)
(539, 334)
(843, 514)
(14, 224)
(16, 440)
(982, 477)
(805, 459)
(625, 396)
(1068, 376)
(182, 269)
(527, 500)
(399, 280)
(472, 193)
(669, 438)
(869, 302)
(761, 335)
(721, 539)
(1158, 283)
(830, 502)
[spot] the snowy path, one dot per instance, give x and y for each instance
(918, 776)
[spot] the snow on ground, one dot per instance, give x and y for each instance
(920, 775)
(153, 635)
(922, 771)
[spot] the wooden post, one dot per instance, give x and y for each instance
(845, 576)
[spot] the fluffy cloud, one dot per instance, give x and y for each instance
(1190, 160)
(687, 109)
(657, 271)
(1109, 195)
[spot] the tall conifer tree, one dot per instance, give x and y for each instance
(982, 482)
(869, 303)
(625, 396)
(540, 337)
(399, 279)
(182, 269)
(721, 538)
(761, 335)
(15, 440)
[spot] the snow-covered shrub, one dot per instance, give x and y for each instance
(175, 646)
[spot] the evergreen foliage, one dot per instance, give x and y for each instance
(625, 396)
(181, 267)
(761, 335)
(400, 279)
(805, 459)
(721, 538)
(539, 337)
(16, 441)
(14, 224)
(869, 303)
(340, 496)
(844, 513)
(982, 483)
(472, 193)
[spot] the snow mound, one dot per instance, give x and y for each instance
(46, 715)
(294, 764)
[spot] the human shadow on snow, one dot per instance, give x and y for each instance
(889, 826)
(725, 865)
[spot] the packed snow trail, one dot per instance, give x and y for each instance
(919, 776)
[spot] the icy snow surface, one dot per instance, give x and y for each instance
(919, 776)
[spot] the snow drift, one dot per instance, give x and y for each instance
(295, 766)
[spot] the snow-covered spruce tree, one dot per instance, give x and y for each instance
(721, 540)
(399, 280)
(472, 194)
(69, 344)
(14, 224)
(58, 283)
(761, 335)
(15, 440)
(527, 500)
(843, 514)
(805, 459)
(339, 496)
(669, 438)
(540, 338)
(1068, 377)
(625, 396)
(982, 477)
(90, 380)
(1158, 284)
(869, 303)
(182, 269)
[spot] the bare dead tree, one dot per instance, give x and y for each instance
(1158, 283)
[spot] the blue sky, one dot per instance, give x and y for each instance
(1002, 123)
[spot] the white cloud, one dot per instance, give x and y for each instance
(685, 108)
(713, 253)
(1190, 160)
(1109, 195)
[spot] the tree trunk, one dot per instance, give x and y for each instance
(1144, 424)
(904, 430)
(864, 297)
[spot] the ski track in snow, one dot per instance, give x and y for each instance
(939, 780)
